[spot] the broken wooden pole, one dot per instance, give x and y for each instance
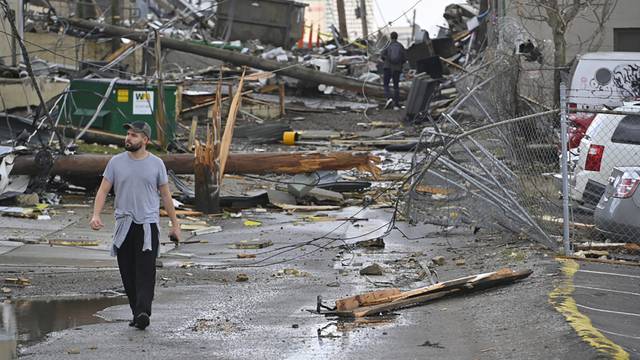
(238, 163)
(161, 121)
(298, 72)
(206, 166)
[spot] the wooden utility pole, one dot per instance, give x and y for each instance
(363, 18)
(413, 28)
(342, 19)
(206, 165)
(115, 20)
(237, 163)
(161, 121)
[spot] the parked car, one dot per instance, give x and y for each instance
(610, 141)
(600, 79)
(617, 215)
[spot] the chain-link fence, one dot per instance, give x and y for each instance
(491, 160)
(494, 160)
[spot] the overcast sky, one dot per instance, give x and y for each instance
(428, 12)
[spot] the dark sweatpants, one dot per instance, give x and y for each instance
(389, 75)
(138, 268)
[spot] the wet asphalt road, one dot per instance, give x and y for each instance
(610, 296)
(267, 316)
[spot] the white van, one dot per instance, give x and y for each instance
(604, 78)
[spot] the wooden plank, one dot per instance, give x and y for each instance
(225, 144)
(163, 212)
(114, 55)
(429, 293)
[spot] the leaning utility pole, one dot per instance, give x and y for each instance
(363, 18)
(115, 20)
(342, 19)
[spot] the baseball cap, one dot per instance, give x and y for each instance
(139, 127)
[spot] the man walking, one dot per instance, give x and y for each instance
(394, 56)
(136, 176)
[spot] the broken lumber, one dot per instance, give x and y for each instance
(238, 163)
(298, 72)
(225, 144)
(379, 304)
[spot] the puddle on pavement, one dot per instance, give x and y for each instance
(340, 328)
(25, 322)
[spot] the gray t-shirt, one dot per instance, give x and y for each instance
(135, 183)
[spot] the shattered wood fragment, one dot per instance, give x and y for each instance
(422, 295)
(225, 144)
(21, 281)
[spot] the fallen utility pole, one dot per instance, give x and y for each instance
(237, 58)
(249, 163)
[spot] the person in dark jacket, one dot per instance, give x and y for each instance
(394, 56)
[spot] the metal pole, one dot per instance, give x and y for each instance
(565, 171)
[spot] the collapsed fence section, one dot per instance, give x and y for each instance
(478, 165)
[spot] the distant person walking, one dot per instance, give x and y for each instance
(394, 56)
(139, 179)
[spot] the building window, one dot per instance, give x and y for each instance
(626, 39)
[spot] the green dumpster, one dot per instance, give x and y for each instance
(128, 101)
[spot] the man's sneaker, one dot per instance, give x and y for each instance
(396, 108)
(142, 321)
(388, 103)
(132, 322)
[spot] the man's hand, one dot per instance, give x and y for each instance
(174, 233)
(96, 223)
